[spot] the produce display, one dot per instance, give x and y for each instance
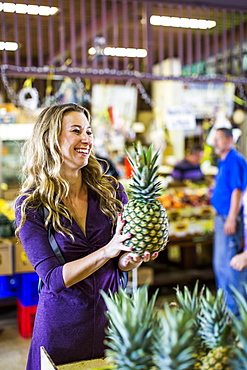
(145, 216)
(194, 333)
(188, 210)
(7, 219)
(177, 198)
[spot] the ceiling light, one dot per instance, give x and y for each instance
(121, 52)
(9, 46)
(157, 20)
(28, 9)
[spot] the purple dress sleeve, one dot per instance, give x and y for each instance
(34, 238)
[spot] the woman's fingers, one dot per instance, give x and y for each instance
(120, 224)
(154, 255)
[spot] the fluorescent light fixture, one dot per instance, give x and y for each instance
(121, 52)
(9, 46)
(28, 9)
(165, 21)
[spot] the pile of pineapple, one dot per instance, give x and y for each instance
(194, 332)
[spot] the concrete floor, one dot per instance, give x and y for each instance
(13, 348)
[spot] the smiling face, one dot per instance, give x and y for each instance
(75, 141)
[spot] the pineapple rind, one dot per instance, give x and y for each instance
(146, 218)
(218, 358)
(149, 228)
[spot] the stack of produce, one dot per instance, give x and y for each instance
(7, 223)
(194, 333)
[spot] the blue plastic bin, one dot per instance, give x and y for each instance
(9, 286)
(28, 292)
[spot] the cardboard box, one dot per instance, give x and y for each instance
(21, 261)
(6, 257)
(48, 364)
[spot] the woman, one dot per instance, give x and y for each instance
(62, 174)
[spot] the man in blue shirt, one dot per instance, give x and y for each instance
(230, 183)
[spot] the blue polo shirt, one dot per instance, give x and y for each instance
(232, 175)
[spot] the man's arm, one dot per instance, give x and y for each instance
(235, 206)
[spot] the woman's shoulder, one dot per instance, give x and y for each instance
(22, 197)
(25, 200)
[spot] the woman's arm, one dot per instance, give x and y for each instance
(75, 271)
(34, 238)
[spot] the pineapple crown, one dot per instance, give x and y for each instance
(145, 178)
(176, 348)
(132, 323)
(215, 322)
(240, 326)
(190, 301)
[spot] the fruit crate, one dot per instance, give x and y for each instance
(48, 364)
(28, 292)
(25, 317)
(9, 286)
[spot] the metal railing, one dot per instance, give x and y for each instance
(61, 43)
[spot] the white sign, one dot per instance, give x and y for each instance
(180, 118)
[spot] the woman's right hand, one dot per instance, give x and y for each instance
(116, 244)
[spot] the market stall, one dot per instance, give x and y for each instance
(191, 219)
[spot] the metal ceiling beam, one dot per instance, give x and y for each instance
(223, 4)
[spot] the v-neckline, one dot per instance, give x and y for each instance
(86, 218)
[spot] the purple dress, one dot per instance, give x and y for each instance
(70, 322)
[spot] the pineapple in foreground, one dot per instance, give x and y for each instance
(239, 361)
(216, 332)
(176, 346)
(145, 217)
(130, 334)
(190, 302)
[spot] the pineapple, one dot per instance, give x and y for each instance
(216, 332)
(239, 361)
(130, 335)
(191, 303)
(176, 345)
(145, 217)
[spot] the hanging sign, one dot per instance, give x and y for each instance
(180, 118)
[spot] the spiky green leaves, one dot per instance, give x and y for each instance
(215, 323)
(240, 325)
(177, 346)
(130, 335)
(167, 339)
(145, 182)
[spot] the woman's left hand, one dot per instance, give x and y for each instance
(129, 261)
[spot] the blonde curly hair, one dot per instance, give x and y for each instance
(43, 183)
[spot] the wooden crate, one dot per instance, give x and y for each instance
(48, 364)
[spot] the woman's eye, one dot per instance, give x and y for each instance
(89, 133)
(76, 130)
